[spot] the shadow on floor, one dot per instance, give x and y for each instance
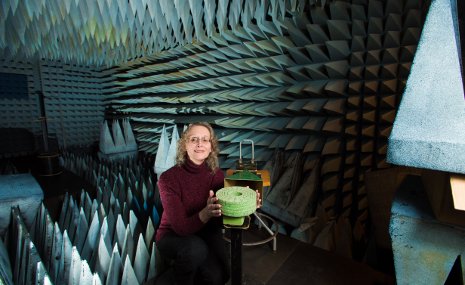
(296, 262)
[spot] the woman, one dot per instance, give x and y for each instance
(190, 228)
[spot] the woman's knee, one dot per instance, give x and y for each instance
(211, 275)
(194, 251)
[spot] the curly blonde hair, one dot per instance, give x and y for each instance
(181, 151)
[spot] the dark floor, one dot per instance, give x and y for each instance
(296, 262)
(293, 262)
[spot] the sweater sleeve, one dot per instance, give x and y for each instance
(181, 223)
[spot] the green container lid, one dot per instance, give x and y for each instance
(244, 175)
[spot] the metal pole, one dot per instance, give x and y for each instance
(43, 120)
(236, 256)
(262, 223)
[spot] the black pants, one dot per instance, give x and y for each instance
(198, 259)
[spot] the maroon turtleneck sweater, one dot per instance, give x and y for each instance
(184, 192)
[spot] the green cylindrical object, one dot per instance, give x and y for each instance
(237, 201)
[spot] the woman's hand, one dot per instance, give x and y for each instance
(259, 200)
(212, 209)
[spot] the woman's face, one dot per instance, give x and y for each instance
(198, 144)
